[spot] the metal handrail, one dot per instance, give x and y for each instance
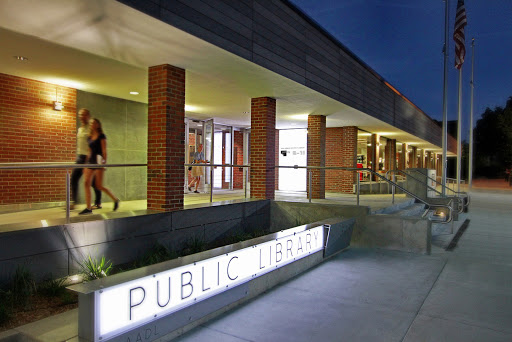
(213, 166)
(458, 193)
(59, 165)
(461, 201)
(412, 177)
(353, 169)
(22, 166)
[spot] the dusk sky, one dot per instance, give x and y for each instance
(402, 40)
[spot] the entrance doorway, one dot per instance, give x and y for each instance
(222, 145)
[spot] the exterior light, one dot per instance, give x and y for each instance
(134, 92)
(21, 58)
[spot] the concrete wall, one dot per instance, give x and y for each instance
(58, 249)
(409, 234)
(291, 214)
(125, 124)
(278, 36)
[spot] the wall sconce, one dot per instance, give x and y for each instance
(57, 105)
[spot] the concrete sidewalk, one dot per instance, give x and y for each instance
(375, 295)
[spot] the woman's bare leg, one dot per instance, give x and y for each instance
(98, 174)
(87, 184)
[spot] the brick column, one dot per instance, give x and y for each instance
(166, 137)
(263, 141)
(341, 150)
(277, 160)
(375, 140)
(421, 159)
(413, 157)
(316, 154)
(390, 154)
(238, 155)
(402, 162)
(428, 158)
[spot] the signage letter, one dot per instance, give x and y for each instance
(289, 245)
(229, 263)
(308, 241)
(139, 303)
(279, 252)
(187, 284)
(299, 245)
(260, 261)
(158, 293)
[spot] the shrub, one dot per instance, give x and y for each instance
(22, 285)
(194, 245)
(93, 269)
(51, 287)
(158, 253)
(5, 307)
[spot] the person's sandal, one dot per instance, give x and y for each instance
(116, 205)
(97, 206)
(85, 211)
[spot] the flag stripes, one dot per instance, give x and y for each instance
(458, 34)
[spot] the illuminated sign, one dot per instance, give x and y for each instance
(126, 306)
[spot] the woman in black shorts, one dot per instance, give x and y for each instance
(97, 155)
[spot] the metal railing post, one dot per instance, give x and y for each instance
(310, 181)
(358, 187)
(211, 184)
(393, 189)
(67, 195)
(245, 170)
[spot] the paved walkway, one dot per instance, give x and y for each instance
(377, 295)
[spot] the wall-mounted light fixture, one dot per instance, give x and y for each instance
(57, 105)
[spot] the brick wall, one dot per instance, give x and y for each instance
(316, 154)
(390, 154)
(263, 141)
(166, 138)
(31, 131)
(238, 154)
(277, 160)
(341, 150)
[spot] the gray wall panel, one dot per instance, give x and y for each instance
(226, 43)
(271, 65)
(276, 35)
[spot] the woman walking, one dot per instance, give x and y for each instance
(97, 155)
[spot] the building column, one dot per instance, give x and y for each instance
(375, 141)
(390, 155)
(403, 157)
(421, 158)
(316, 154)
(341, 151)
(238, 159)
(263, 147)
(428, 159)
(413, 158)
(277, 160)
(166, 138)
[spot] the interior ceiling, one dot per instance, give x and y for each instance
(105, 47)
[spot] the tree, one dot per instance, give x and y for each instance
(493, 141)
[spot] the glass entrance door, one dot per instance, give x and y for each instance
(223, 154)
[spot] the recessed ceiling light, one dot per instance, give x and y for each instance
(134, 92)
(21, 58)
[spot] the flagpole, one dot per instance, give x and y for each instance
(445, 98)
(459, 131)
(470, 172)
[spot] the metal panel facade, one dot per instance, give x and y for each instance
(278, 36)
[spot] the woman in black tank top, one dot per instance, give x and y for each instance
(97, 155)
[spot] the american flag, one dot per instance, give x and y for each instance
(458, 34)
